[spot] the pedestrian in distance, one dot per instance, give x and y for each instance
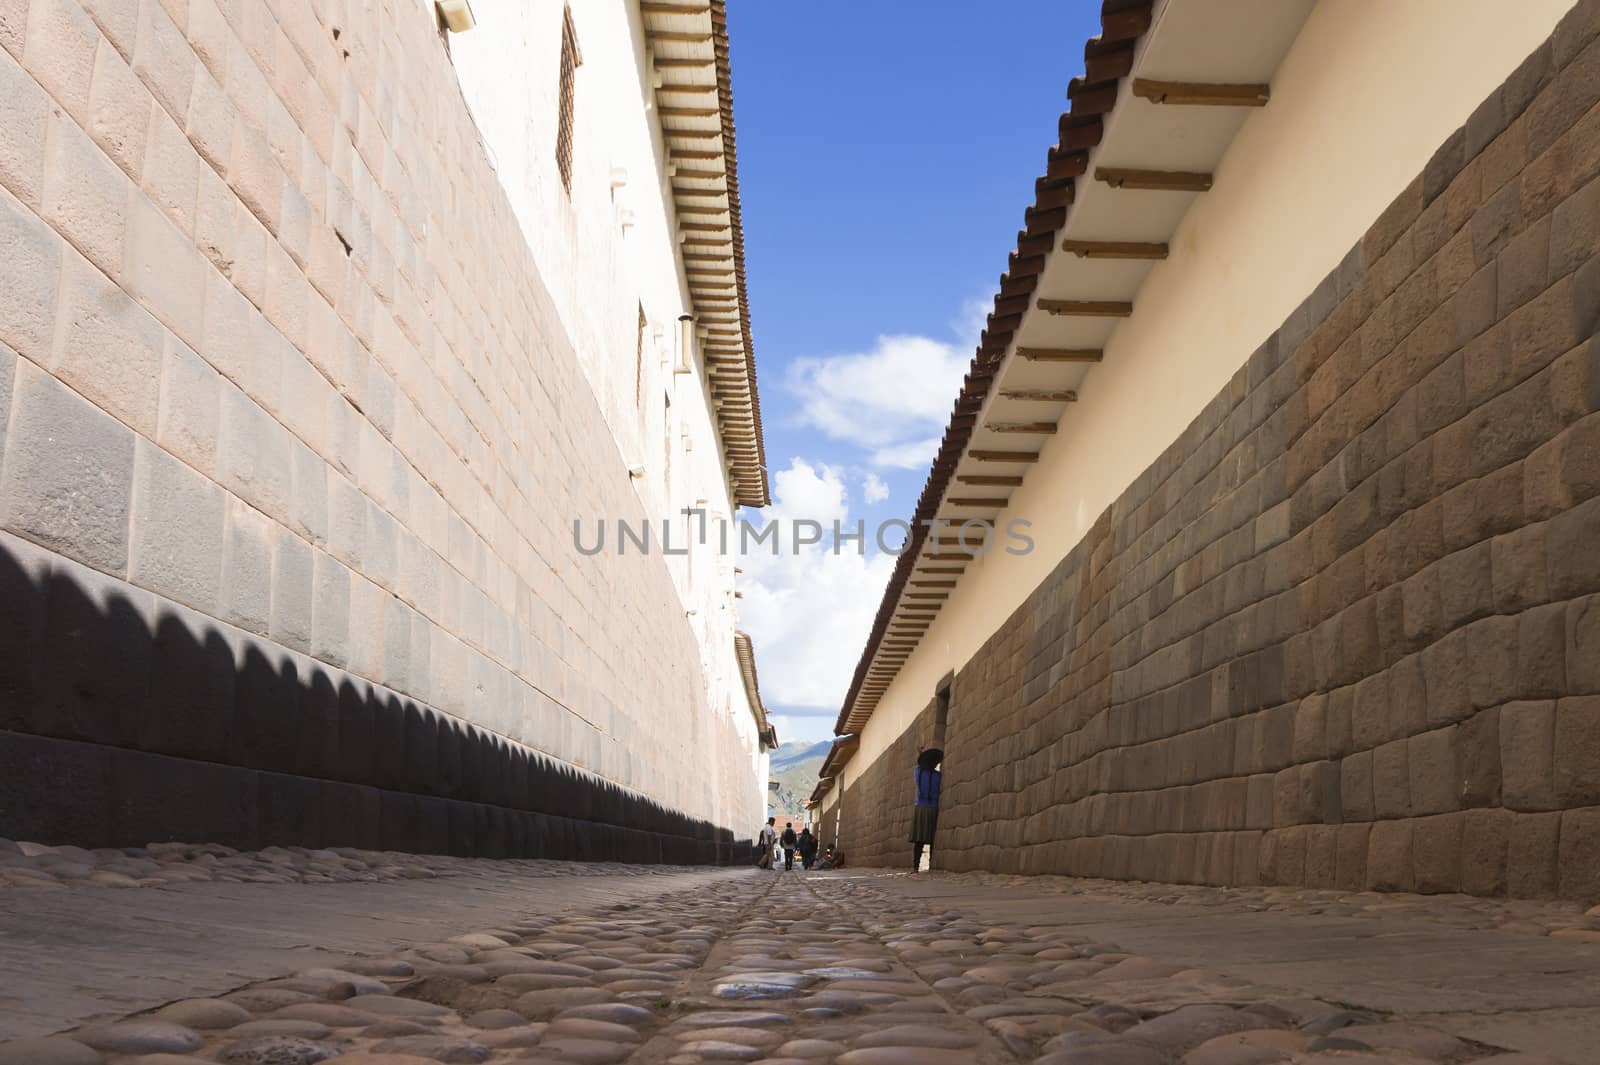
(789, 840)
(807, 846)
(925, 814)
(769, 835)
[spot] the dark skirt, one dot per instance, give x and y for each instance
(924, 822)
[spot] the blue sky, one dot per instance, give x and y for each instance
(886, 153)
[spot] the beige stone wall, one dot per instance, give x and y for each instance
(1342, 632)
(277, 360)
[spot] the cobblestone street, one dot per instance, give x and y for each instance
(467, 961)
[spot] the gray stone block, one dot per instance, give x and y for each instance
(30, 268)
(68, 472)
(380, 549)
(253, 455)
(396, 663)
(309, 508)
(190, 406)
(347, 515)
(247, 569)
(176, 530)
(292, 612)
(330, 611)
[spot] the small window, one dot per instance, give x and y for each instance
(569, 68)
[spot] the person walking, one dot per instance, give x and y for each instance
(807, 846)
(769, 836)
(925, 815)
(788, 839)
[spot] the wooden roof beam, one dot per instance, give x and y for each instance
(994, 480)
(1086, 308)
(1201, 94)
(1153, 180)
(1037, 428)
(974, 501)
(1003, 456)
(1060, 354)
(1041, 395)
(1115, 249)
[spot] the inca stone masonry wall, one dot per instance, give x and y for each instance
(292, 435)
(1346, 631)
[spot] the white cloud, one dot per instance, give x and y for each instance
(873, 490)
(915, 455)
(898, 392)
(810, 613)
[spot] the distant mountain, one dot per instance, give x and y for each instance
(787, 754)
(795, 767)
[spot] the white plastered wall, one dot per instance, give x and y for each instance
(1367, 92)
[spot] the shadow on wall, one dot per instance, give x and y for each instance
(116, 734)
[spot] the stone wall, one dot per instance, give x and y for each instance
(876, 827)
(1346, 631)
(292, 438)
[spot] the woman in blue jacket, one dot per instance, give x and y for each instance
(925, 815)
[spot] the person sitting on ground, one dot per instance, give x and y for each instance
(769, 835)
(807, 846)
(925, 815)
(832, 858)
(788, 839)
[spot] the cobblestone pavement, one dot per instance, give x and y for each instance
(876, 968)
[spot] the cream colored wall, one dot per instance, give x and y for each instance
(1365, 95)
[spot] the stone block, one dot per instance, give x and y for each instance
(171, 175)
(1541, 652)
(1524, 267)
(107, 347)
(1485, 837)
(1420, 610)
(1350, 857)
(1492, 659)
(1531, 852)
(1574, 565)
(1434, 771)
(68, 473)
(1355, 787)
(1407, 712)
(1389, 860)
(22, 132)
(177, 530)
(1436, 852)
(1391, 780)
(291, 619)
(1577, 751)
(1320, 800)
(119, 108)
(85, 197)
(1447, 671)
(247, 568)
(1478, 759)
(1578, 857)
(330, 611)
(254, 174)
(1520, 571)
(80, 778)
(156, 799)
(1527, 755)
(1575, 230)
(237, 341)
(1466, 586)
(30, 267)
(380, 546)
(253, 455)
(164, 270)
(163, 59)
(190, 408)
(59, 53)
(347, 513)
(1311, 729)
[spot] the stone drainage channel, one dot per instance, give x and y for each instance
(770, 968)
